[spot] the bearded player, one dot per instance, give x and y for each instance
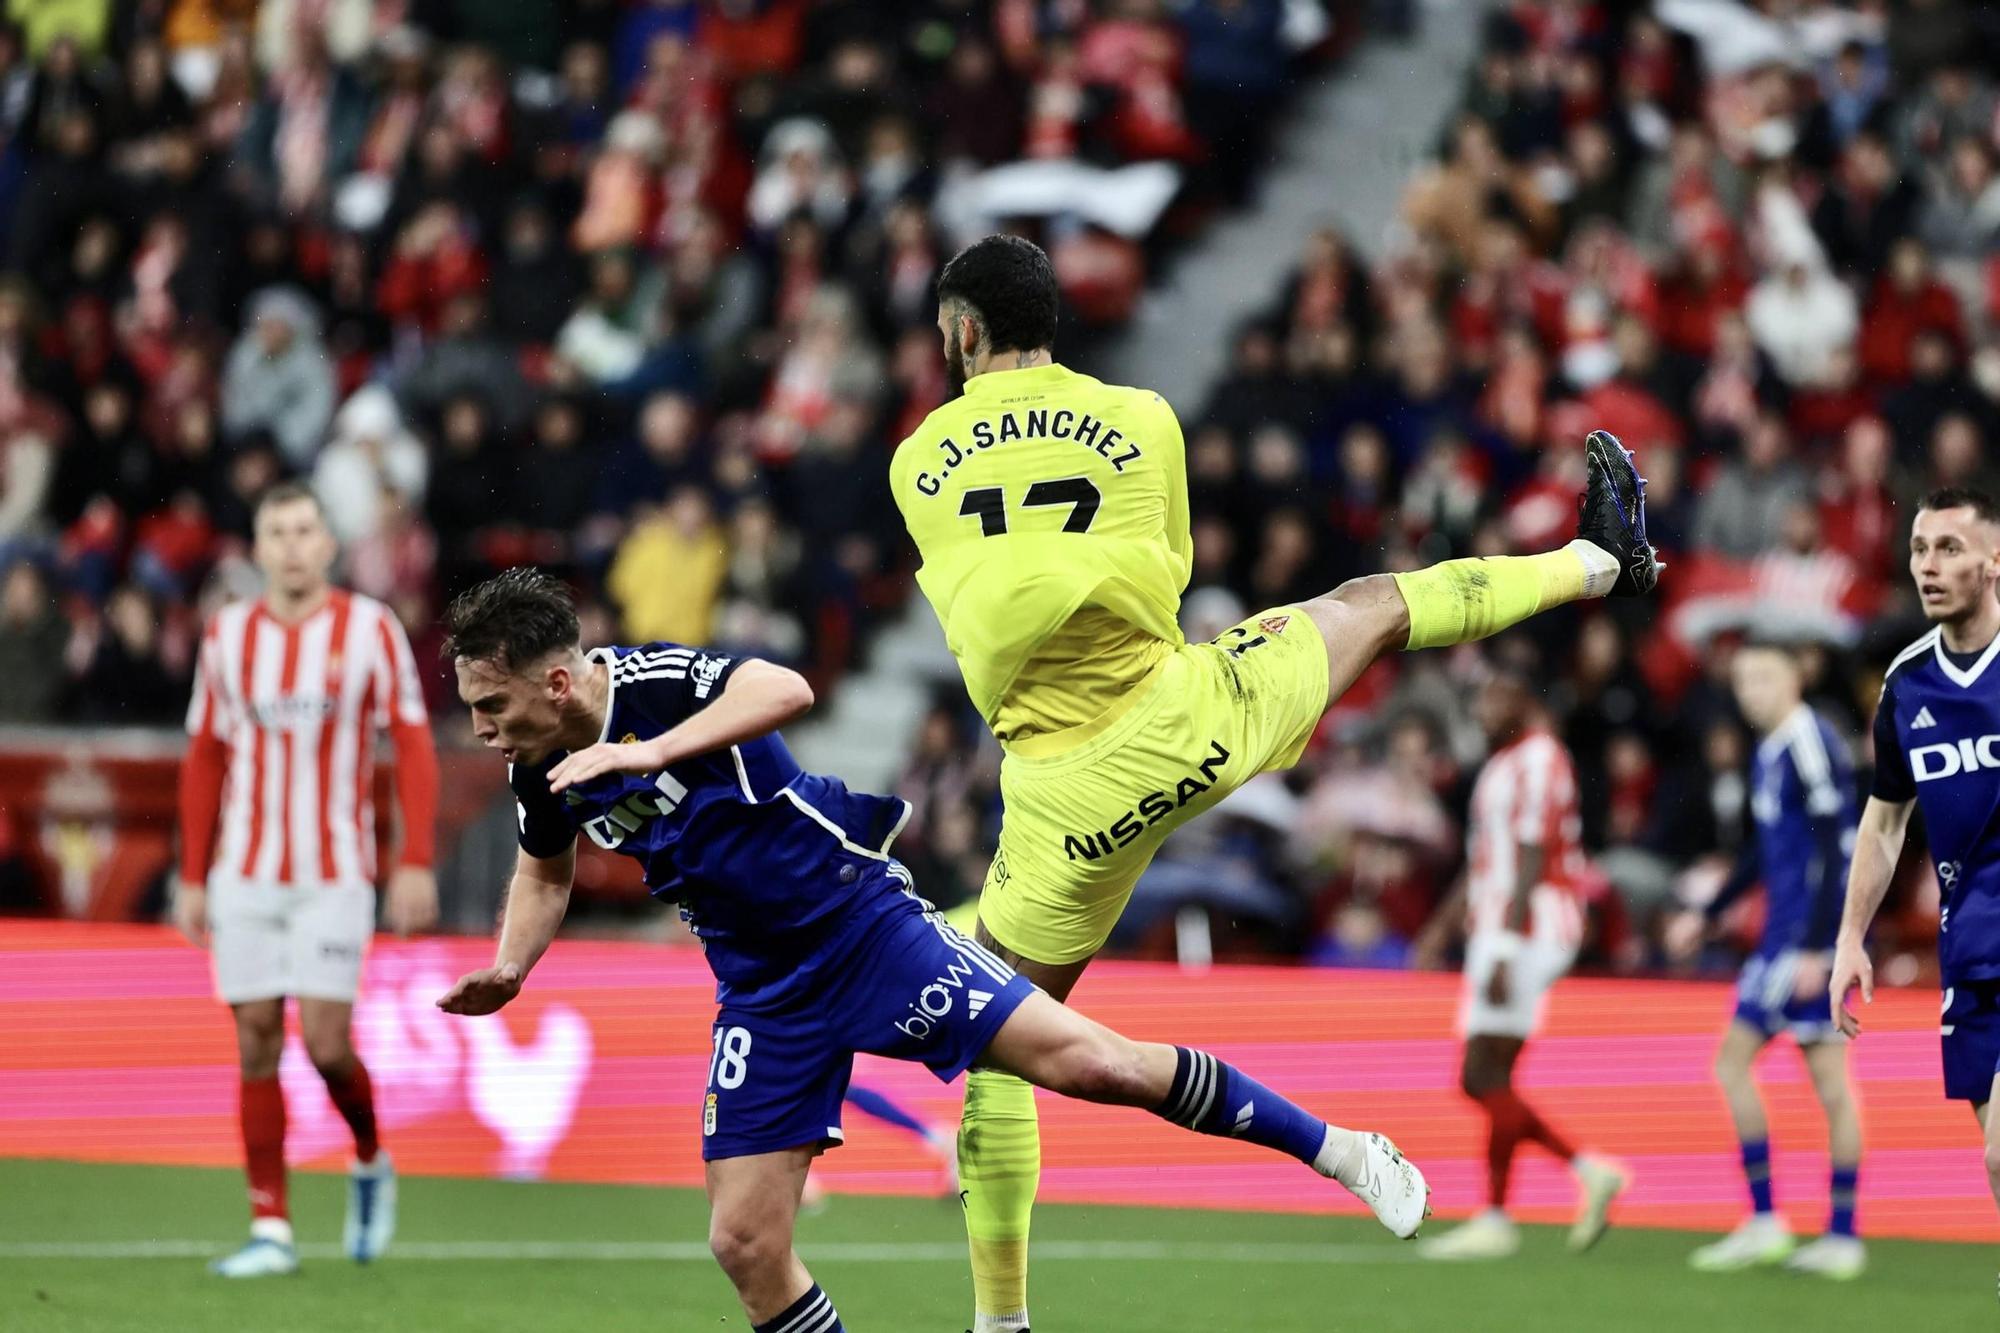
(1051, 512)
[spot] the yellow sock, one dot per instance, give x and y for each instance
(999, 1166)
(1462, 600)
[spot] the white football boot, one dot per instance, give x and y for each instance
(1487, 1235)
(1760, 1242)
(371, 1208)
(1840, 1258)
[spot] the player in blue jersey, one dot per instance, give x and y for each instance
(1802, 798)
(818, 941)
(1937, 744)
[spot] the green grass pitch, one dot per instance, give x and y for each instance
(86, 1247)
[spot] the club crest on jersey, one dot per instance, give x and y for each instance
(629, 738)
(1274, 624)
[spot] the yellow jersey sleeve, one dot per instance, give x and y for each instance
(1037, 495)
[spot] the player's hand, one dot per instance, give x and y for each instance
(1851, 968)
(1497, 985)
(637, 757)
(191, 912)
(413, 900)
(1814, 971)
(1684, 935)
(484, 991)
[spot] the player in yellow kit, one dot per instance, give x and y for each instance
(1051, 513)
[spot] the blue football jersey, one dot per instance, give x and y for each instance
(761, 855)
(1937, 741)
(1802, 797)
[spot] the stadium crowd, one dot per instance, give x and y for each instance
(633, 289)
(640, 290)
(1759, 241)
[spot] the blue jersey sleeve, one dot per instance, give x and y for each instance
(543, 827)
(674, 682)
(1893, 780)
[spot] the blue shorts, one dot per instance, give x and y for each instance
(1971, 1040)
(905, 985)
(1767, 1000)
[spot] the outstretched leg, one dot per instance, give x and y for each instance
(1055, 1047)
(1463, 600)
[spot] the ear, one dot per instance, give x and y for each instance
(968, 336)
(559, 683)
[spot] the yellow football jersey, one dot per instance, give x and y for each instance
(1051, 513)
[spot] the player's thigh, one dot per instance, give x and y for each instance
(1969, 1042)
(1826, 1063)
(1061, 876)
(331, 927)
(776, 1080)
(1058, 979)
(754, 1201)
(1359, 621)
(1053, 1046)
(249, 942)
(919, 989)
(1259, 691)
(1741, 1041)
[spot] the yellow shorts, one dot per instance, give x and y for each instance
(1081, 825)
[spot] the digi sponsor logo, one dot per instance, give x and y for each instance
(1948, 759)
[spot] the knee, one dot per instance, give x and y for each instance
(1367, 609)
(331, 1053)
(745, 1251)
(258, 1047)
(1731, 1072)
(1993, 1162)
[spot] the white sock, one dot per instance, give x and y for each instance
(271, 1228)
(1600, 567)
(1340, 1156)
(999, 1323)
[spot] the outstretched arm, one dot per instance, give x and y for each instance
(537, 898)
(756, 700)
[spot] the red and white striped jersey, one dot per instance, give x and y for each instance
(1526, 795)
(296, 707)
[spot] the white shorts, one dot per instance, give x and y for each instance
(270, 941)
(1538, 966)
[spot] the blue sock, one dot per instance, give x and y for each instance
(870, 1102)
(1210, 1097)
(810, 1313)
(1846, 1182)
(1757, 1170)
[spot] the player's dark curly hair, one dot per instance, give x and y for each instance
(511, 620)
(1010, 286)
(1963, 497)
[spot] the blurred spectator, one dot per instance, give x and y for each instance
(278, 377)
(123, 681)
(33, 635)
(1740, 513)
(368, 454)
(668, 571)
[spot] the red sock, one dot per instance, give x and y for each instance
(1514, 1120)
(354, 1098)
(263, 1113)
(1504, 1112)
